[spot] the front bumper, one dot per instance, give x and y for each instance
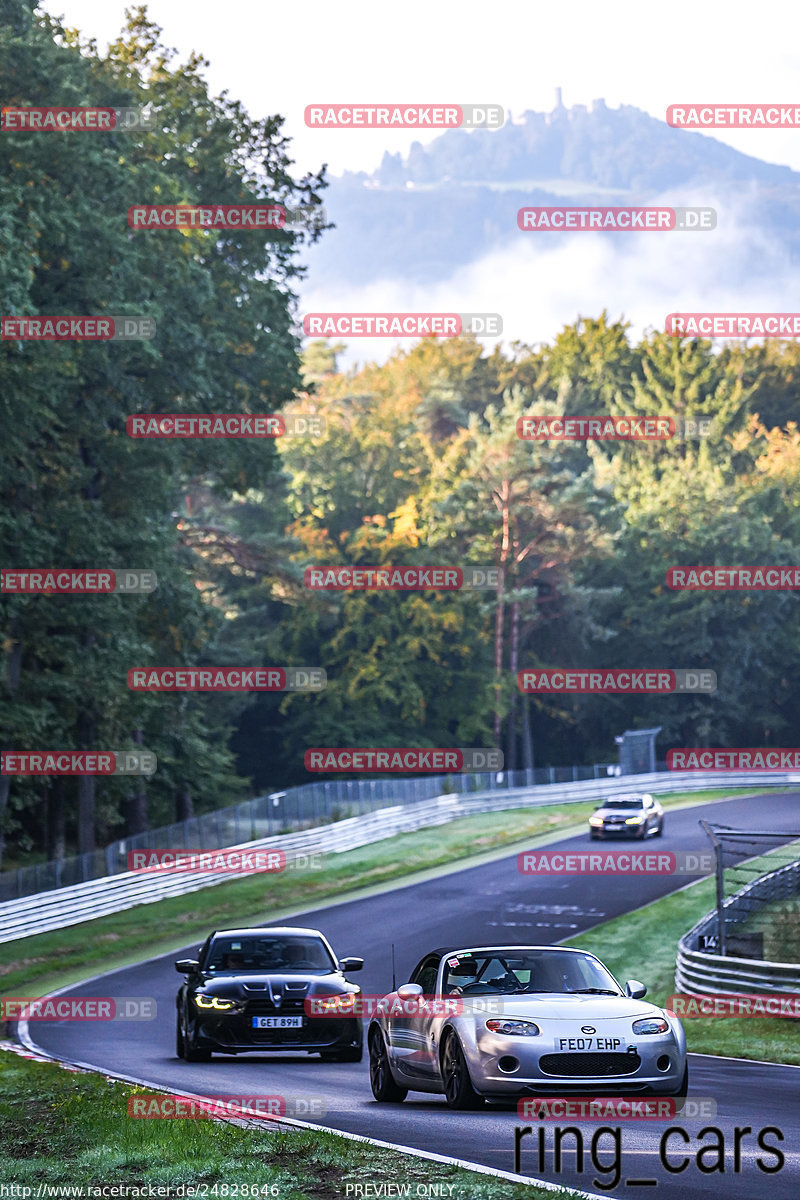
(235, 1035)
(644, 1074)
(622, 831)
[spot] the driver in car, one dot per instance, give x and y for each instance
(295, 956)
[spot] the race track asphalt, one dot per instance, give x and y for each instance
(490, 903)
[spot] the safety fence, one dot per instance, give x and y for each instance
(280, 812)
(85, 901)
(709, 970)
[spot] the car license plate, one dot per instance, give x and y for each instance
(277, 1022)
(591, 1043)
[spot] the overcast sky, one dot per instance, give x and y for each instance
(278, 58)
(281, 57)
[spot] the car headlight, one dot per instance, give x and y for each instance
(513, 1028)
(218, 1003)
(595, 820)
(336, 1005)
(633, 820)
(651, 1025)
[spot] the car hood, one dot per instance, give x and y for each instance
(566, 1007)
(254, 984)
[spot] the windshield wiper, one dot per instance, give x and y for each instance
(595, 992)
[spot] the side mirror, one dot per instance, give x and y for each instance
(187, 966)
(351, 964)
(407, 990)
(635, 990)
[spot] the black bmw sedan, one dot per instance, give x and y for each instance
(250, 990)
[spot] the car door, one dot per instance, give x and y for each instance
(411, 1043)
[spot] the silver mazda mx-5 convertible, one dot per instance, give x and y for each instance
(500, 1022)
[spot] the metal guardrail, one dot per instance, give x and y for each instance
(300, 807)
(85, 901)
(698, 972)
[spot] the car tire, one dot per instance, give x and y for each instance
(592, 835)
(681, 1094)
(660, 829)
(180, 1049)
(458, 1090)
(192, 1052)
(351, 1054)
(384, 1088)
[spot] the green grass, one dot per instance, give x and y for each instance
(70, 1128)
(643, 945)
(779, 921)
(780, 924)
(35, 965)
(59, 1125)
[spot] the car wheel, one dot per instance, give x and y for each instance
(660, 829)
(179, 1046)
(192, 1052)
(458, 1090)
(592, 835)
(351, 1054)
(384, 1088)
(680, 1095)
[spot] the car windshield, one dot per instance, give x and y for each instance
(268, 953)
(512, 971)
(630, 802)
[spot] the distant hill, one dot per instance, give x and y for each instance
(420, 218)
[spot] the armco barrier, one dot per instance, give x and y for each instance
(699, 973)
(70, 906)
(303, 807)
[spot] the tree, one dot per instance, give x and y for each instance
(76, 491)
